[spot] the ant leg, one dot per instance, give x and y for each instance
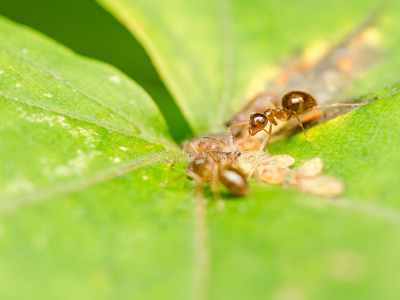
(193, 175)
(214, 189)
(260, 151)
(302, 127)
(198, 186)
(269, 135)
(199, 194)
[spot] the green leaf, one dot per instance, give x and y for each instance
(211, 54)
(91, 206)
(286, 245)
(47, 77)
(80, 120)
(68, 124)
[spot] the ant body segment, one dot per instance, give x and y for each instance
(294, 104)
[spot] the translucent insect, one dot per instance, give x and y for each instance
(294, 104)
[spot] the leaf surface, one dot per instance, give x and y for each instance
(213, 55)
(91, 207)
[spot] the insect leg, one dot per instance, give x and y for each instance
(255, 165)
(269, 135)
(302, 127)
(214, 188)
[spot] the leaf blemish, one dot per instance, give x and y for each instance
(76, 165)
(115, 79)
(115, 159)
(19, 184)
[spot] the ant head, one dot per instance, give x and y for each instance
(257, 123)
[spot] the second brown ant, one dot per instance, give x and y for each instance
(211, 164)
(294, 104)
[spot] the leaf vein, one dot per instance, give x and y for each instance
(12, 205)
(69, 84)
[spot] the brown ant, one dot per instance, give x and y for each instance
(294, 104)
(216, 166)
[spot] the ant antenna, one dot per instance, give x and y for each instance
(238, 124)
(230, 132)
(214, 139)
(341, 104)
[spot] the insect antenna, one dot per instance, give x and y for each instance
(341, 104)
(238, 124)
(214, 139)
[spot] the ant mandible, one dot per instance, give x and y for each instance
(294, 104)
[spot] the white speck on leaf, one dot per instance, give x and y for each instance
(115, 79)
(18, 185)
(1, 71)
(90, 135)
(41, 118)
(144, 177)
(77, 165)
(18, 85)
(48, 95)
(24, 50)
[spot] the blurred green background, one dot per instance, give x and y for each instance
(88, 29)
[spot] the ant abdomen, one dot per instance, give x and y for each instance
(234, 180)
(298, 102)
